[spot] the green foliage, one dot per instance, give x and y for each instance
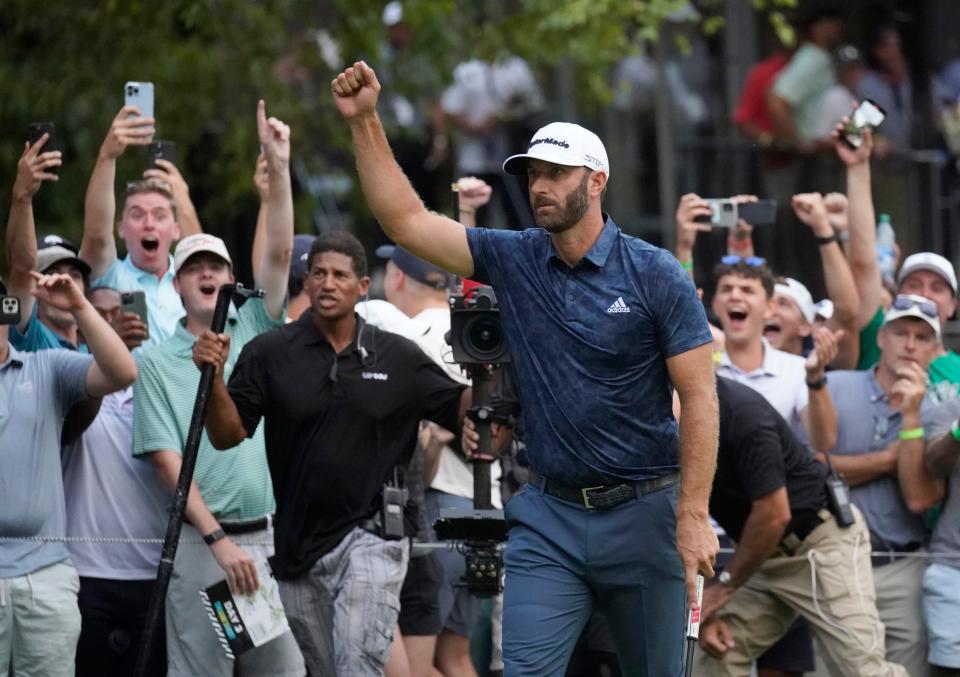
(211, 60)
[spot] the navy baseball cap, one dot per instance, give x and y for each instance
(53, 249)
(420, 270)
(298, 263)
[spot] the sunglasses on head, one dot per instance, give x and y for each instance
(928, 308)
(752, 261)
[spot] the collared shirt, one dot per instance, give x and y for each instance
(36, 391)
(589, 346)
(164, 308)
(110, 492)
(38, 336)
(802, 84)
(235, 484)
(866, 423)
(336, 425)
(781, 379)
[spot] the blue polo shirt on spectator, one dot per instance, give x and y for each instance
(36, 391)
(866, 423)
(38, 336)
(588, 346)
(164, 307)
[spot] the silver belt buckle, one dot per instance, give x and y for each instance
(586, 497)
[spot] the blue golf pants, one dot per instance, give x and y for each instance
(563, 559)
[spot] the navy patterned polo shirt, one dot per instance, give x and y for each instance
(589, 345)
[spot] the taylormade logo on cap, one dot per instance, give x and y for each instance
(562, 143)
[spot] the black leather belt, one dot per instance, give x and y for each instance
(247, 527)
(892, 553)
(801, 526)
(602, 497)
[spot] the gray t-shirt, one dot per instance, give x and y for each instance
(946, 533)
(36, 391)
(866, 423)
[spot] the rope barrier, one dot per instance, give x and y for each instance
(444, 545)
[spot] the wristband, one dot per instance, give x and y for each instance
(214, 536)
(817, 385)
(739, 245)
(955, 430)
(687, 265)
(912, 433)
(467, 210)
(825, 240)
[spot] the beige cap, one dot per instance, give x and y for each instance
(195, 244)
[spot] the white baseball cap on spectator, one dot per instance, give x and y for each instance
(562, 143)
(932, 262)
(195, 244)
(911, 305)
(824, 308)
(800, 295)
(392, 13)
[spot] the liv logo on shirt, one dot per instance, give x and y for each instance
(618, 306)
(373, 376)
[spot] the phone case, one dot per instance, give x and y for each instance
(161, 150)
(139, 94)
(134, 302)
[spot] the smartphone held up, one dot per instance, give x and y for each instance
(35, 132)
(868, 115)
(139, 94)
(726, 212)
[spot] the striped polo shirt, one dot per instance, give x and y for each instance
(235, 483)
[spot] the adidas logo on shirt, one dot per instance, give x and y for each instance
(618, 306)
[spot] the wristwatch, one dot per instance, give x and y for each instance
(214, 536)
(724, 578)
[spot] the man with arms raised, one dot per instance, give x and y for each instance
(155, 213)
(231, 498)
(601, 327)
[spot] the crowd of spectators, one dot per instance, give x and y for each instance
(96, 404)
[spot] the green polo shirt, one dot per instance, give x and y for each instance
(235, 483)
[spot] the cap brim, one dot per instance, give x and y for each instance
(517, 164)
(82, 265)
(385, 251)
(901, 276)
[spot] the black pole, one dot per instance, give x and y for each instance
(175, 522)
(481, 462)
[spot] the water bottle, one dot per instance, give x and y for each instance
(886, 239)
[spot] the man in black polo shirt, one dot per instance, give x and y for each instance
(769, 494)
(342, 402)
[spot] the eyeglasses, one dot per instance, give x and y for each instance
(928, 308)
(752, 261)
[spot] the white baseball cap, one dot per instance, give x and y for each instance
(194, 244)
(911, 305)
(562, 143)
(392, 13)
(824, 308)
(800, 295)
(932, 262)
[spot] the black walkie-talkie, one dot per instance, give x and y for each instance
(391, 509)
(838, 496)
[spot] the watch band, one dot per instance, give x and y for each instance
(817, 385)
(826, 240)
(214, 536)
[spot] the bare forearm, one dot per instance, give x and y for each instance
(21, 244)
(113, 360)
(862, 246)
(821, 420)
(167, 465)
(842, 290)
(921, 490)
(99, 208)
(942, 455)
(187, 217)
(782, 120)
(259, 242)
(699, 430)
(225, 429)
(275, 265)
(761, 535)
(859, 469)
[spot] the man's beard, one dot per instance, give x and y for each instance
(575, 205)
